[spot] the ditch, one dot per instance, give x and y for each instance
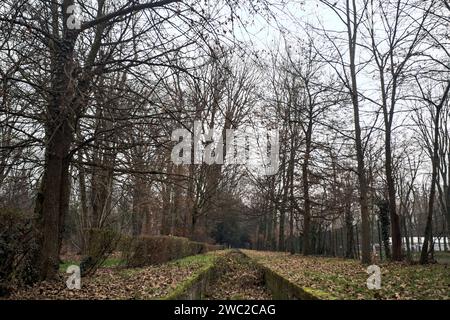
(238, 278)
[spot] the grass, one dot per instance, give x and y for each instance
(440, 256)
(108, 263)
(205, 259)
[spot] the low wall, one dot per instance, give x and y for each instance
(196, 287)
(284, 289)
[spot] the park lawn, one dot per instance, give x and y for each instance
(346, 279)
(440, 256)
(151, 282)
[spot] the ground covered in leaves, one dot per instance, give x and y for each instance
(239, 278)
(152, 282)
(346, 279)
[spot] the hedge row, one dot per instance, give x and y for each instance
(146, 250)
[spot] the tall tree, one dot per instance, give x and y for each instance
(351, 14)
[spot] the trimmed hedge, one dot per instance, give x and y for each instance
(214, 247)
(146, 250)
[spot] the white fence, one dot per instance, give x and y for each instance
(415, 243)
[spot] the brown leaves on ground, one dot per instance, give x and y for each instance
(118, 283)
(239, 279)
(346, 279)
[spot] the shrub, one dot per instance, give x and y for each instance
(15, 245)
(101, 243)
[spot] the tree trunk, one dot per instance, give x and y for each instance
(435, 165)
(281, 236)
(395, 221)
(408, 246)
(349, 233)
(384, 221)
(306, 198)
(53, 202)
(352, 28)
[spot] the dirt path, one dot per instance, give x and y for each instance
(240, 279)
